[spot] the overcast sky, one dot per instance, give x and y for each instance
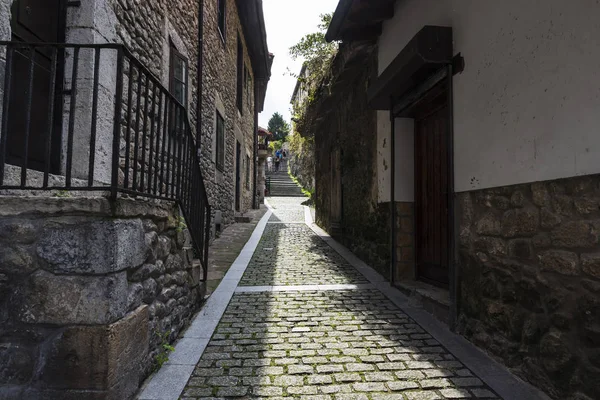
(287, 22)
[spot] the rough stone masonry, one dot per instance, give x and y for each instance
(89, 293)
(530, 267)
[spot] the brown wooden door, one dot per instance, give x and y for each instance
(431, 198)
(35, 21)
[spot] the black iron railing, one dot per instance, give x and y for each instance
(94, 118)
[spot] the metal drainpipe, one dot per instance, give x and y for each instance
(199, 74)
(255, 174)
(393, 190)
(453, 265)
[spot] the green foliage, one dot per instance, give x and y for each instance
(276, 145)
(165, 349)
(307, 192)
(181, 225)
(314, 45)
(318, 56)
(62, 193)
(278, 127)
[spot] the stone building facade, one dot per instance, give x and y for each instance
(219, 97)
(94, 284)
(484, 143)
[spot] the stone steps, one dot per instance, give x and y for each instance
(283, 185)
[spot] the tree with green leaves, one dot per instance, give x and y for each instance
(313, 47)
(278, 127)
(316, 52)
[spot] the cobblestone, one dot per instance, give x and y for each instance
(334, 345)
(297, 257)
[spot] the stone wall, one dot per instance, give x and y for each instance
(89, 291)
(302, 160)
(405, 241)
(351, 128)
(219, 92)
(529, 258)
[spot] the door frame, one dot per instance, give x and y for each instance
(404, 107)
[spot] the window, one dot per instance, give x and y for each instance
(178, 71)
(248, 172)
(220, 150)
(240, 74)
(221, 6)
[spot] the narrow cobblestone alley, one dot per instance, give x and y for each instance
(304, 322)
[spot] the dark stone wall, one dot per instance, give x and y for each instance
(352, 129)
(89, 292)
(529, 259)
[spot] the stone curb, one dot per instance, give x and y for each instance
(495, 375)
(169, 382)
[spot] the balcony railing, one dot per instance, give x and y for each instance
(94, 118)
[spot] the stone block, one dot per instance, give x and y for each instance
(540, 194)
(548, 218)
(146, 271)
(562, 262)
(105, 358)
(18, 231)
(587, 204)
(404, 239)
(520, 248)
(488, 225)
(135, 295)
(575, 234)
(517, 199)
(17, 364)
(555, 352)
(17, 260)
(590, 263)
(174, 263)
(520, 222)
(98, 247)
(491, 245)
(406, 225)
(64, 300)
(164, 247)
(150, 289)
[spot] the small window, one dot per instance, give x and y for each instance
(220, 150)
(178, 76)
(248, 172)
(240, 74)
(222, 18)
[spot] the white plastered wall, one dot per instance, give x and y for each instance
(527, 106)
(404, 179)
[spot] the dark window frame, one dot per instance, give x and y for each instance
(240, 75)
(220, 141)
(173, 55)
(222, 18)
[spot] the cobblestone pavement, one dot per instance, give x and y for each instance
(330, 345)
(287, 209)
(292, 254)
